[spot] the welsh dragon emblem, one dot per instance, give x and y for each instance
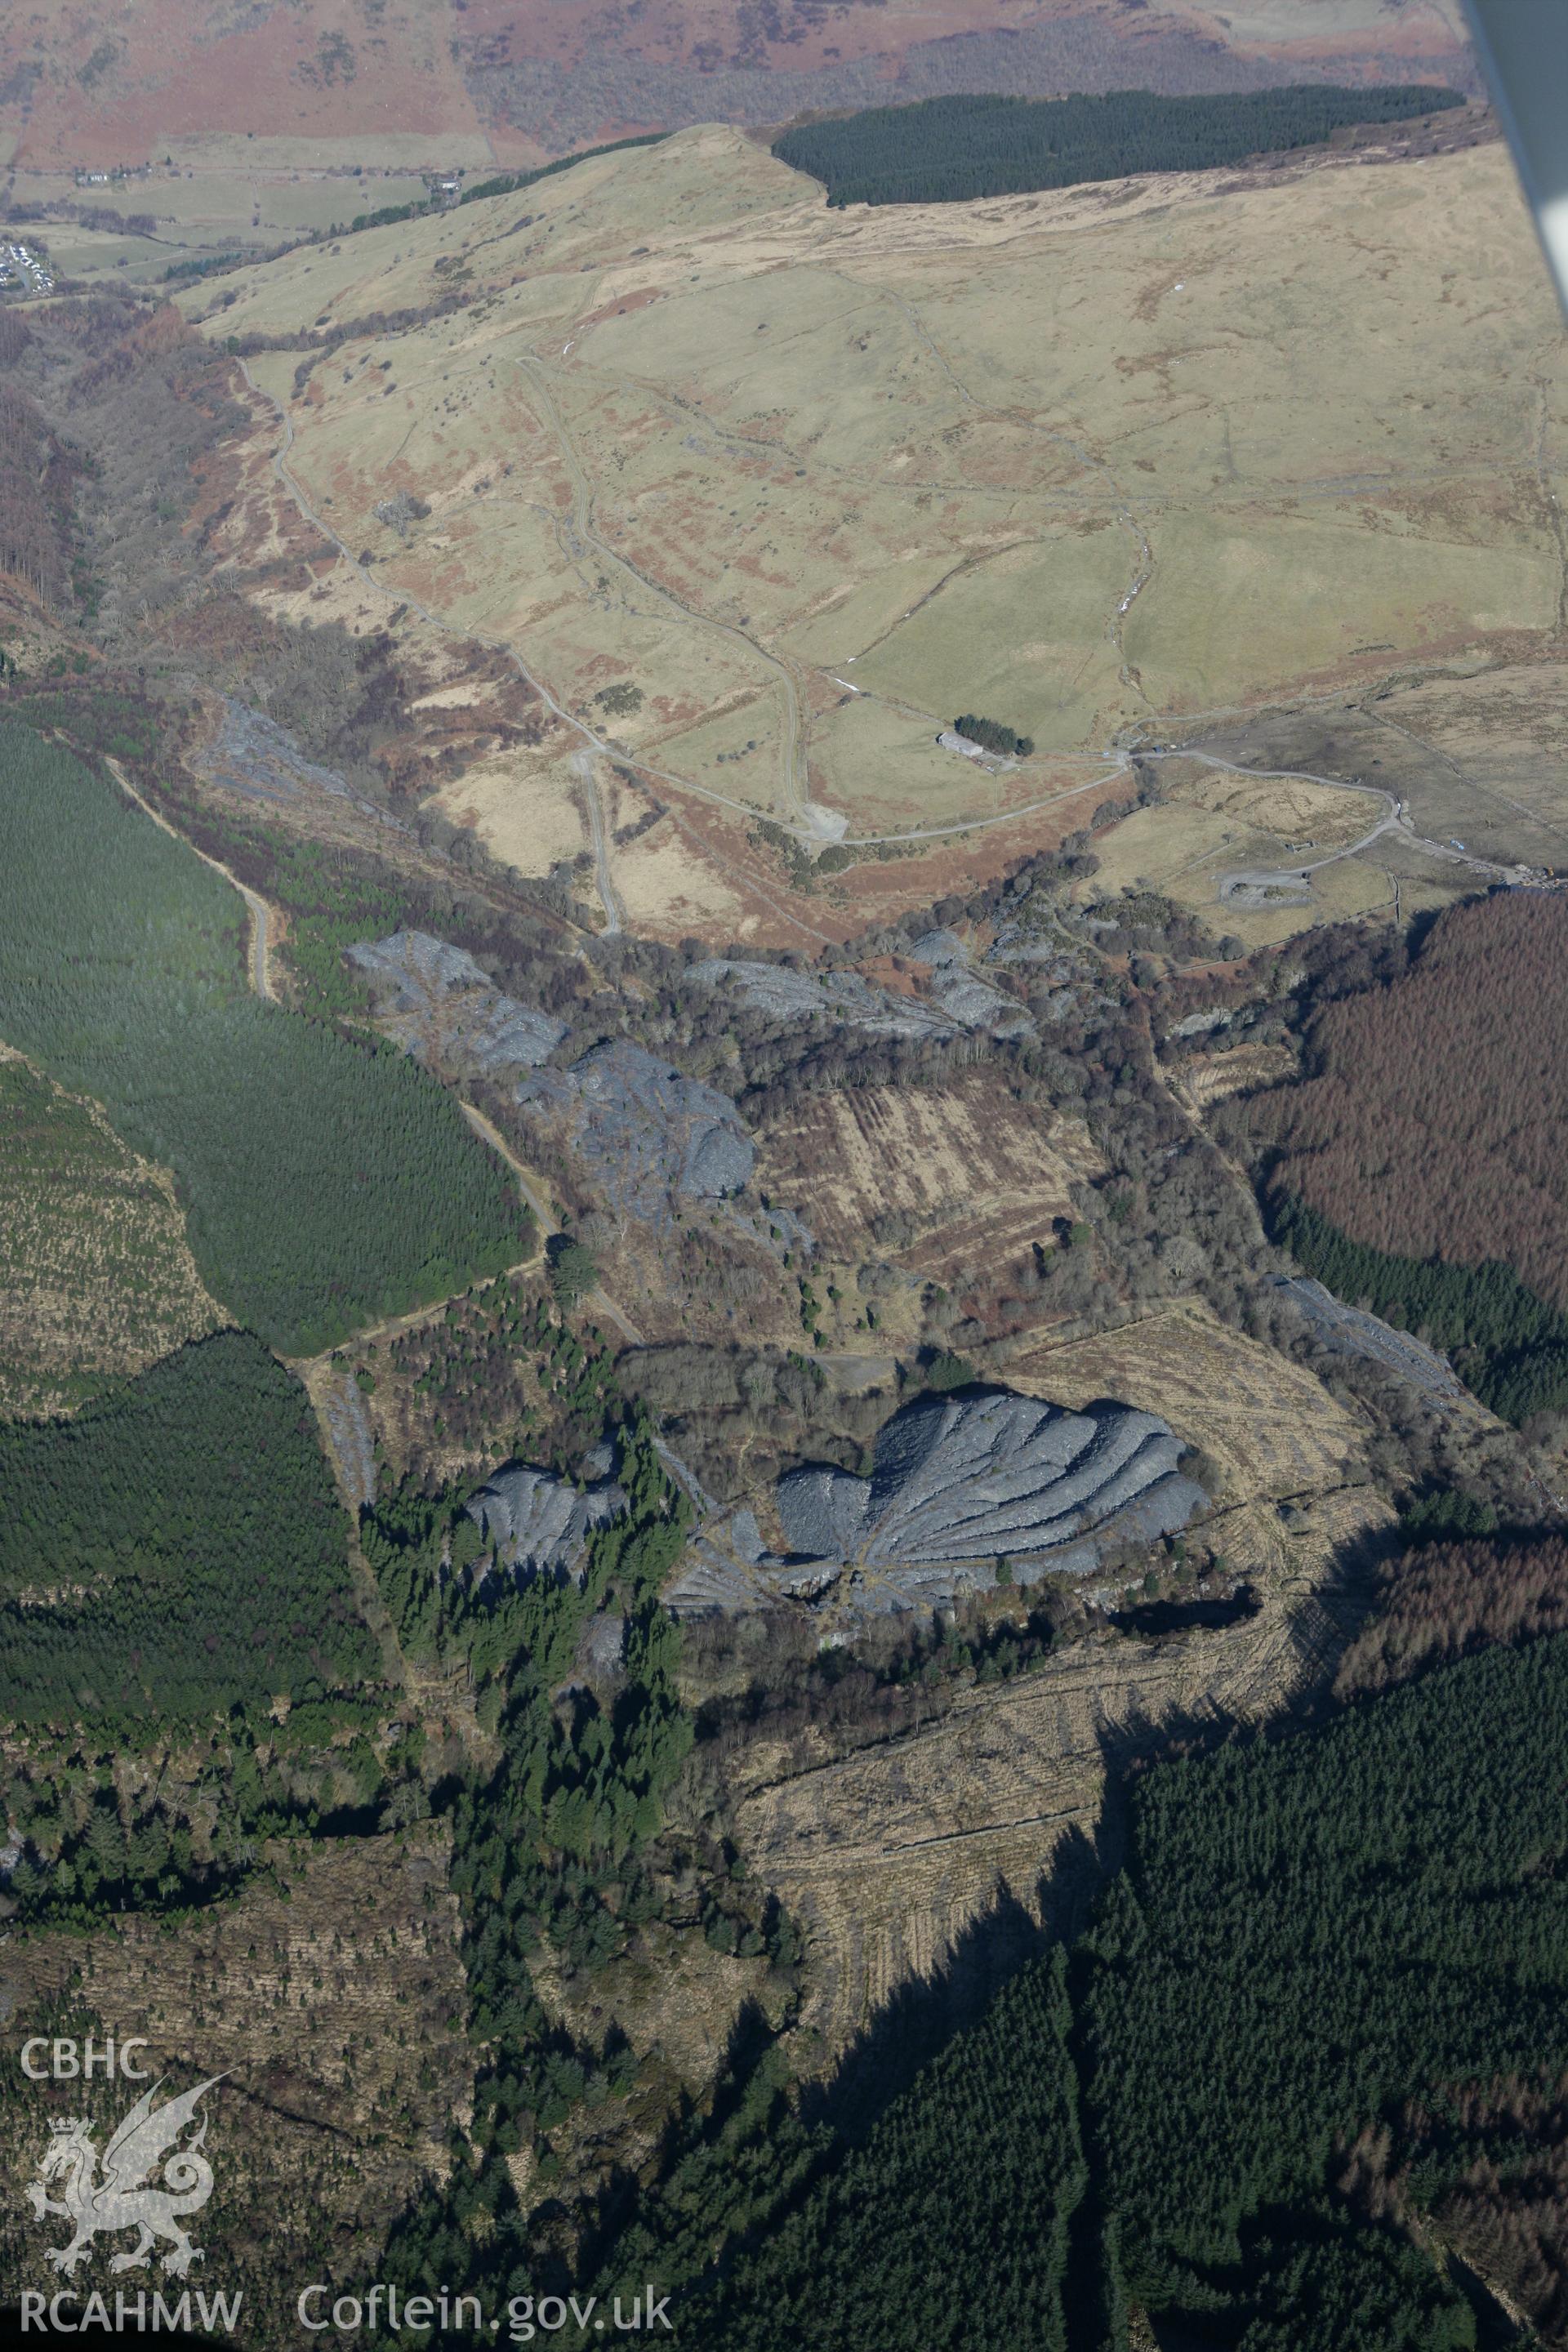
(122, 2199)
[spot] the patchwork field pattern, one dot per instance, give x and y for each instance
(762, 494)
(970, 1176)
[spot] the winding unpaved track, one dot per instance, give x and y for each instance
(261, 980)
(615, 913)
(808, 830)
(807, 821)
(597, 1301)
(1394, 820)
(256, 907)
(817, 824)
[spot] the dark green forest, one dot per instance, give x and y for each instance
(1307, 1935)
(176, 1548)
(1509, 1345)
(950, 150)
(545, 1848)
(328, 1181)
(995, 735)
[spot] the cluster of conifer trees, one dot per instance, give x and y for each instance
(1307, 1936)
(329, 1180)
(947, 150)
(1431, 1122)
(1506, 1344)
(176, 1548)
(993, 735)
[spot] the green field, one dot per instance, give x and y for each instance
(329, 1182)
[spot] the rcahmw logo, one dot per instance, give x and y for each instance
(151, 2177)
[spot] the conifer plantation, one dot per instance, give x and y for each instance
(1430, 1123)
(1418, 1166)
(1310, 1941)
(951, 149)
(176, 1548)
(329, 1182)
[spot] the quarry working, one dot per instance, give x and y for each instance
(443, 1007)
(642, 1132)
(964, 1490)
(539, 1525)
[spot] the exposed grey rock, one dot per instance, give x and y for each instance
(644, 1131)
(966, 999)
(746, 1536)
(985, 1475)
(254, 755)
(539, 1525)
(354, 1441)
(602, 1647)
(957, 1483)
(958, 998)
(844, 998)
(938, 948)
(823, 1511)
(1198, 1024)
(1348, 1331)
(439, 1003)
(778, 1230)
(1014, 944)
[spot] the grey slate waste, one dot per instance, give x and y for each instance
(965, 998)
(643, 1130)
(1351, 1331)
(539, 1523)
(957, 1484)
(438, 1002)
(844, 998)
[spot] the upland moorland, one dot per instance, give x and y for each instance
(1093, 463)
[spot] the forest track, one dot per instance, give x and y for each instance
(256, 906)
(615, 913)
(597, 1301)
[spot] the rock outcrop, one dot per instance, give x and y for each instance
(442, 1006)
(539, 1523)
(643, 1131)
(846, 999)
(1351, 1331)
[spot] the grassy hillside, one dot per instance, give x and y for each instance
(1025, 469)
(950, 150)
(96, 1274)
(329, 1182)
